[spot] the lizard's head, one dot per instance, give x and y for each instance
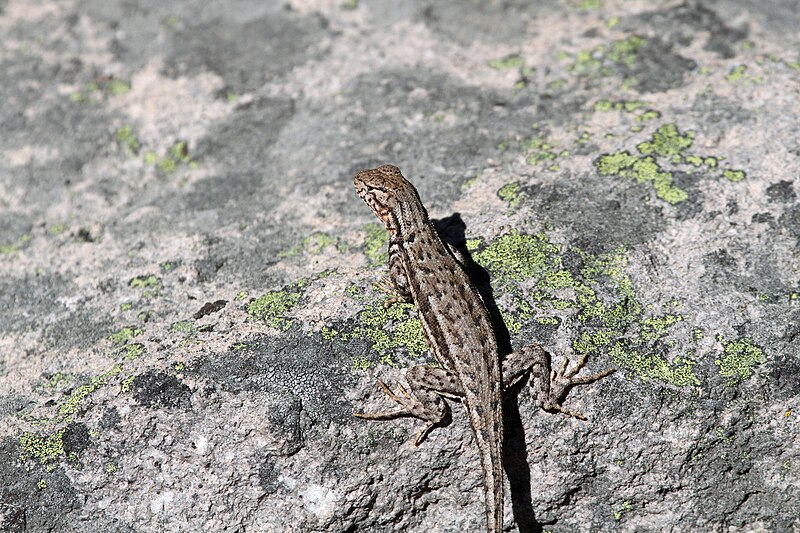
(383, 188)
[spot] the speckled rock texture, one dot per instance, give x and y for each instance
(188, 310)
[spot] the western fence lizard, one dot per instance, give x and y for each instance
(457, 326)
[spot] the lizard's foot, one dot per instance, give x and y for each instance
(386, 285)
(406, 401)
(411, 406)
(565, 379)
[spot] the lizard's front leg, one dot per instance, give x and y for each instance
(396, 283)
(426, 401)
(549, 388)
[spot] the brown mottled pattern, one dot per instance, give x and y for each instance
(459, 332)
(454, 318)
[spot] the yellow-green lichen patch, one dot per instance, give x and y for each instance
(656, 327)
(274, 306)
(72, 404)
(376, 243)
(600, 60)
(125, 384)
(643, 170)
(116, 87)
(124, 335)
(515, 257)
(58, 380)
(44, 448)
(736, 73)
(667, 146)
(628, 106)
(587, 5)
(651, 366)
(177, 155)
(360, 363)
(7, 249)
(127, 139)
(510, 193)
(389, 329)
(739, 359)
(596, 304)
(132, 351)
(314, 244)
(539, 150)
(508, 62)
(149, 284)
(734, 175)
(182, 327)
(328, 333)
(56, 229)
(667, 141)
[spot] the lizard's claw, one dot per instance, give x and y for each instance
(386, 285)
(563, 380)
(404, 399)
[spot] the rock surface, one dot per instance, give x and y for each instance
(187, 311)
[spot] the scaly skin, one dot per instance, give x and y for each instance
(459, 332)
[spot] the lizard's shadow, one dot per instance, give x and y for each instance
(515, 455)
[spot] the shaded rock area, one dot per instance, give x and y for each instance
(189, 313)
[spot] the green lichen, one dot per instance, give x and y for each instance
(734, 175)
(515, 257)
(125, 384)
(360, 363)
(643, 170)
(17, 245)
(182, 327)
(538, 150)
(510, 193)
(587, 5)
(72, 404)
(314, 244)
(602, 60)
(625, 507)
(124, 335)
(508, 62)
(621, 105)
(116, 87)
(740, 358)
(656, 327)
(667, 145)
(667, 141)
(736, 73)
(391, 328)
(132, 351)
(376, 243)
(44, 448)
(274, 307)
(127, 139)
(648, 115)
(58, 380)
(56, 229)
(150, 285)
(597, 303)
(177, 155)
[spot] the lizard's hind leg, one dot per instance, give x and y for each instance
(429, 386)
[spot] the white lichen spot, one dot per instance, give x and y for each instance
(320, 500)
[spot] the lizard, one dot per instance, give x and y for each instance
(457, 327)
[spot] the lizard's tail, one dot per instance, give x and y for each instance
(490, 444)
